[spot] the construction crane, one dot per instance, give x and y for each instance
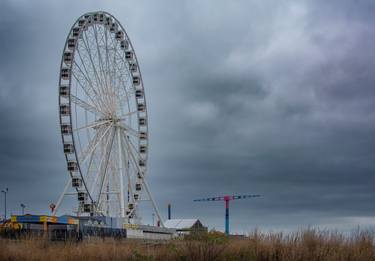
(227, 198)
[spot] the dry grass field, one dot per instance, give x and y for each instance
(306, 245)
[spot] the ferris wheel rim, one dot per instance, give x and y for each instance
(74, 142)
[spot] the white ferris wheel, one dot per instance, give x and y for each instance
(103, 119)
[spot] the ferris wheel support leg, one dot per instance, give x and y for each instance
(119, 141)
(153, 202)
(61, 196)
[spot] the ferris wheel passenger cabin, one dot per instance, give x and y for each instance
(68, 148)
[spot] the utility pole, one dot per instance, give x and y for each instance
(23, 208)
(5, 191)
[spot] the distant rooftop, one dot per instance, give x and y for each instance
(181, 223)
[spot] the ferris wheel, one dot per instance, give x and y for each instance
(103, 119)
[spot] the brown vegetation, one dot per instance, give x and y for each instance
(306, 245)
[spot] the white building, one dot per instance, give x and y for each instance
(185, 226)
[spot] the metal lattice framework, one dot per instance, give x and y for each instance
(226, 198)
(103, 118)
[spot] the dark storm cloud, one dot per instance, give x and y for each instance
(244, 97)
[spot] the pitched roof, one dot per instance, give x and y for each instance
(180, 223)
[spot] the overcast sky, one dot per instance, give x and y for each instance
(269, 97)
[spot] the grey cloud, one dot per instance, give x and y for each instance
(244, 97)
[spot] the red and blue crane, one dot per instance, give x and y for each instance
(227, 198)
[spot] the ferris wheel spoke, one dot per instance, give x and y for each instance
(100, 103)
(99, 83)
(76, 124)
(112, 48)
(112, 73)
(123, 117)
(115, 53)
(128, 141)
(101, 162)
(108, 64)
(108, 154)
(88, 50)
(114, 66)
(123, 95)
(123, 84)
(84, 152)
(125, 164)
(141, 173)
(132, 156)
(128, 160)
(135, 149)
(123, 62)
(129, 130)
(84, 105)
(121, 80)
(92, 125)
(87, 78)
(106, 54)
(136, 167)
(79, 81)
(101, 64)
(100, 57)
(92, 145)
(88, 176)
(127, 95)
(85, 72)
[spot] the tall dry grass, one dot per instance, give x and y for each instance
(304, 245)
